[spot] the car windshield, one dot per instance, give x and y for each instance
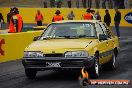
(70, 30)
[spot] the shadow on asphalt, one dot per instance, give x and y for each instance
(60, 75)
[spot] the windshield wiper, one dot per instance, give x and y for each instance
(45, 38)
(85, 36)
(69, 37)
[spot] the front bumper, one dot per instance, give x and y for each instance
(62, 63)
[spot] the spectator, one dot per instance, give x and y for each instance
(116, 3)
(104, 4)
(97, 2)
(45, 3)
(39, 18)
(16, 22)
(15, 0)
(93, 14)
(88, 15)
(84, 3)
(126, 3)
(89, 3)
(52, 3)
(107, 18)
(110, 4)
(117, 20)
(71, 16)
(1, 18)
(9, 15)
(97, 16)
(69, 3)
(57, 17)
(58, 2)
(121, 4)
(77, 3)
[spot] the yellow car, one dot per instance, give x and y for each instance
(71, 45)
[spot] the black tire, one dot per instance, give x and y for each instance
(111, 65)
(31, 74)
(94, 70)
(116, 52)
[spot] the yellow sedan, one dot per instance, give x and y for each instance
(71, 45)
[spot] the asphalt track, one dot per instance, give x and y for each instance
(12, 73)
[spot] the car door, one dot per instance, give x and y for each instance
(103, 46)
(110, 39)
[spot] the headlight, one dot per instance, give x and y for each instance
(76, 54)
(33, 54)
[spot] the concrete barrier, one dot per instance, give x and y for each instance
(28, 14)
(12, 45)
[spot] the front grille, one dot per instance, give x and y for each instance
(72, 64)
(53, 55)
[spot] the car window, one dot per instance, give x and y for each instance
(75, 29)
(104, 28)
(99, 29)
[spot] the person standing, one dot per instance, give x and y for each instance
(93, 14)
(117, 20)
(70, 16)
(58, 2)
(110, 4)
(121, 4)
(57, 17)
(88, 15)
(77, 3)
(107, 18)
(89, 3)
(97, 16)
(116, 3)
(126, 3)
(84, 3)
(45, 3)
(69, 3)
(52, 3)
(9, 15)
(16, 22)
(97, 2)
(1, 18)
(39, 18)
(104, 4)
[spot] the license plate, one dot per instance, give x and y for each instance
(53, 64)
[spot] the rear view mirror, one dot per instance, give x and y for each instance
(102, 37)
(36, 38)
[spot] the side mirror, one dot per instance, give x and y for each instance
(36, 38)
(102, 37)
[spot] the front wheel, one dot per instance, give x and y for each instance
(94, 70)
(31, 74)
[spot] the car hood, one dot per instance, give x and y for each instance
(59, 45)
